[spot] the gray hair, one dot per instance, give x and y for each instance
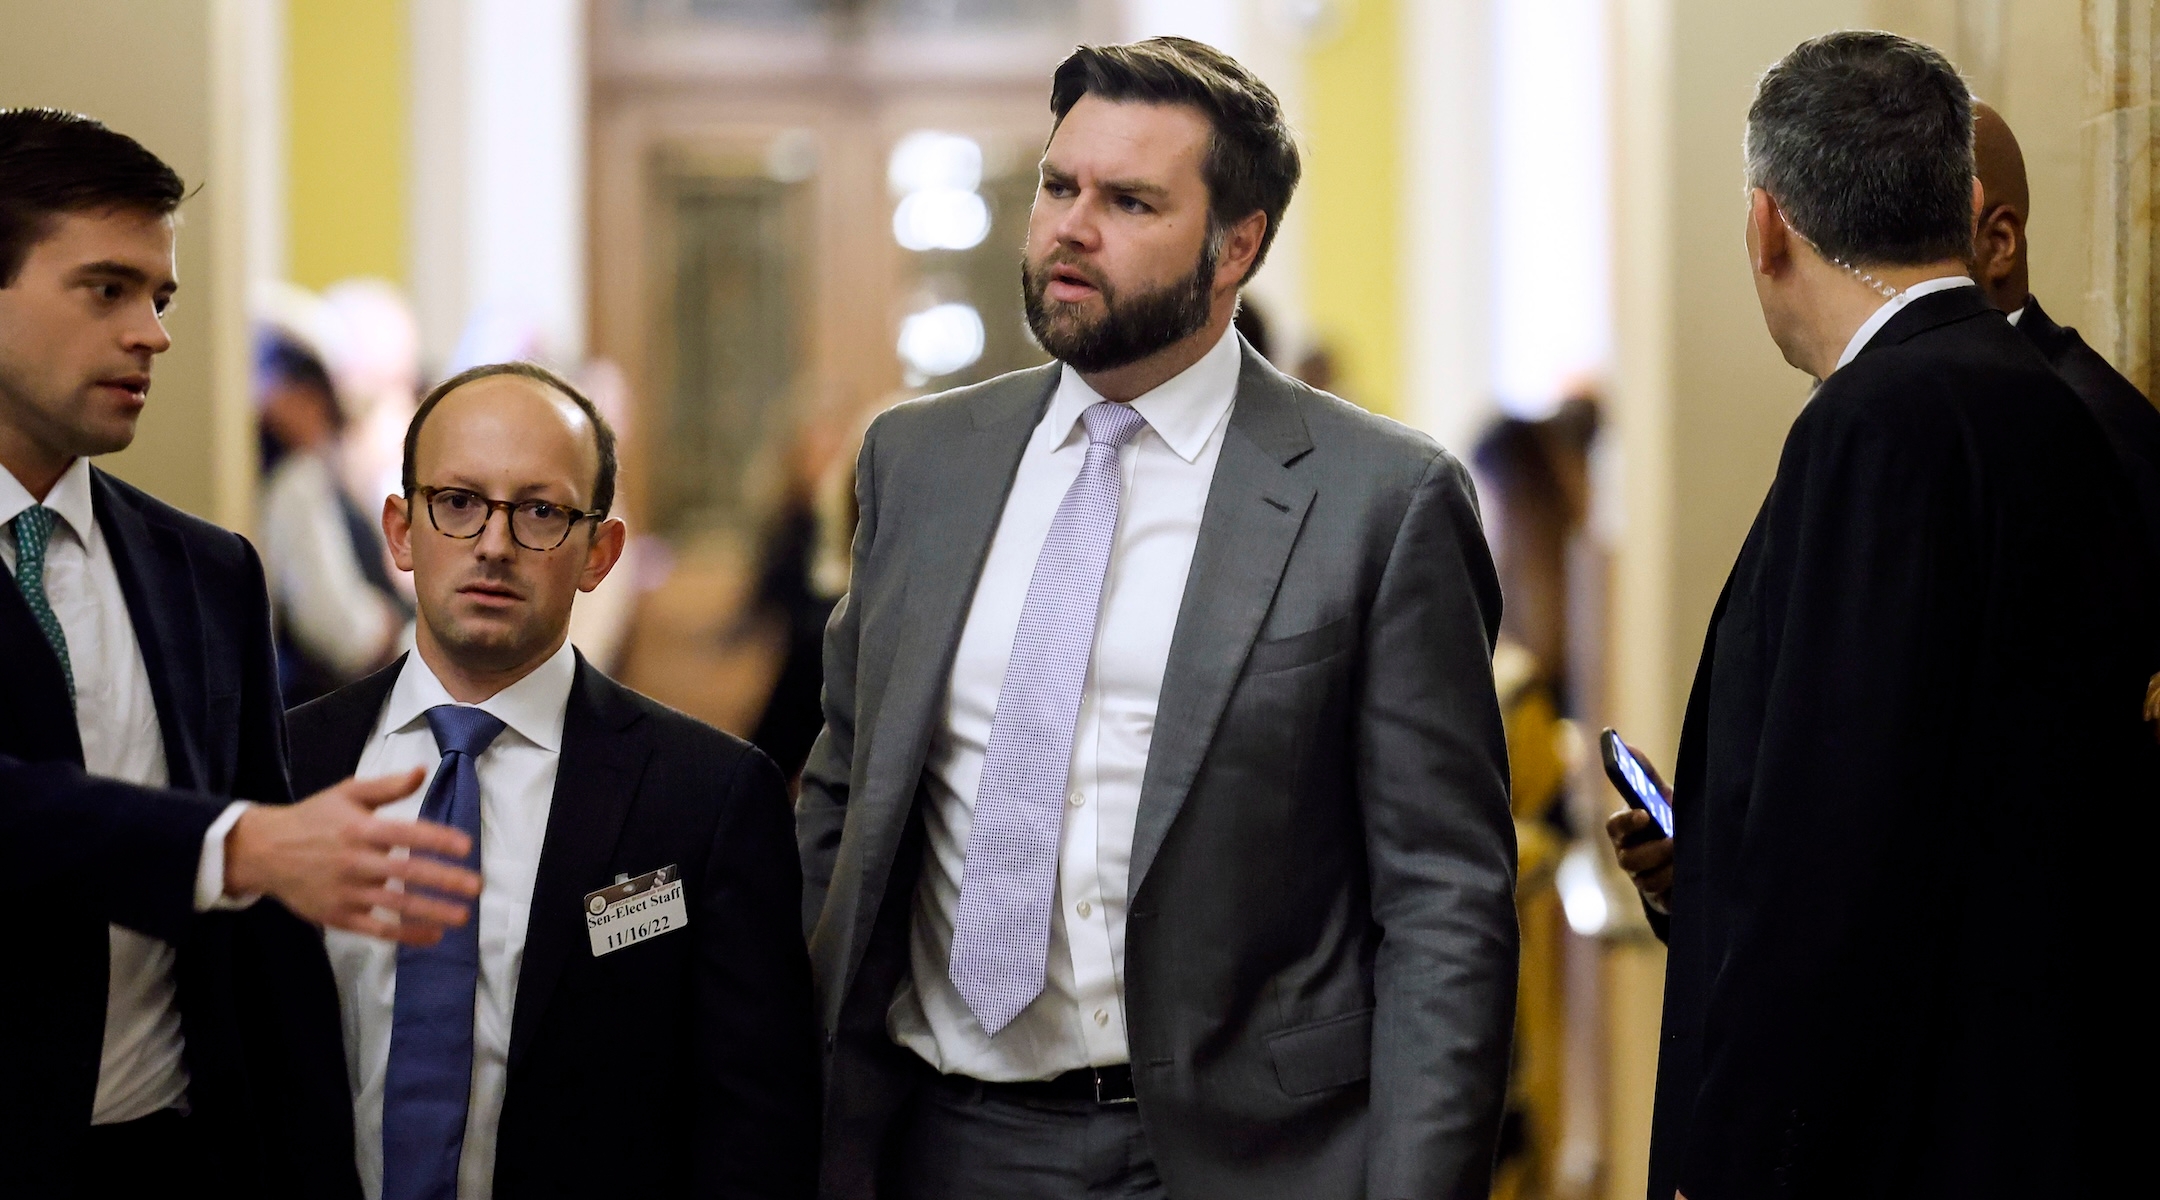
(1865, 140)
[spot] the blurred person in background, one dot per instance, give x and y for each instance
(475, 1065)
(1158, 839)
(1894, 971)
(337, 614)
(166, 1031)
(1533, 479)
(788, 591)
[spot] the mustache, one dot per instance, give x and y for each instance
(1039, 272)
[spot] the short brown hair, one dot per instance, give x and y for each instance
(54, 162)
(603, 497)
(1252, 162)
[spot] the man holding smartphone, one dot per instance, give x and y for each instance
(1925, 678)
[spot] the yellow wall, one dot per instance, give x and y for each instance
(346, 140)
(1352, 201)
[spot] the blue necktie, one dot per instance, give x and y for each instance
(431, 1027)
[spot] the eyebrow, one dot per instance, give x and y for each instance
(1134, 187)
(1130, 187)
(530, 491)
(108, 269)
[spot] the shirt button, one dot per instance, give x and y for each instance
(1076, 799)
(1084, 908)
(1102, 1016)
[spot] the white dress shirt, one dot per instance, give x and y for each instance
(517, 788)
(140, 1070)
(1892, 307)
(1079, 1020)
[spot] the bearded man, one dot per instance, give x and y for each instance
(1157, 841)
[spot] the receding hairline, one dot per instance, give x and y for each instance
(563, 404)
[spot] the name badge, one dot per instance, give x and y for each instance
(636, 910)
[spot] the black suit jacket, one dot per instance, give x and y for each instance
(2129, 420)
(685, 1065)
(1896, 933)
(257, 1005)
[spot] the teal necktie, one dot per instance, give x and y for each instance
(33, 532)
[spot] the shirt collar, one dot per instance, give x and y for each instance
(533, 706)
(70, 498)
(1183, 411)
(1892, 307)
(2019, 315)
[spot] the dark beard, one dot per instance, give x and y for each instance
(1129, 329)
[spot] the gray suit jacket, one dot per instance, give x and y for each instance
(1321, 947)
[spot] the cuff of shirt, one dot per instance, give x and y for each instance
(210, 874)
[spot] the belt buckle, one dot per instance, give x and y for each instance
(1103, 1100)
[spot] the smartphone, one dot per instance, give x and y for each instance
(1635, 783)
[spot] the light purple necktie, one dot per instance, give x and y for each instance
(1001, 930)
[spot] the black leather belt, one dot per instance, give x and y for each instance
(1095, 1085)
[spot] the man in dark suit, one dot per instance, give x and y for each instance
(2128, 418)
(160, 1033)
(1158, 838)
(1894, 970)
(2130, 421)
(630, 1015)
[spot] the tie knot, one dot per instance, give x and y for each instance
(33, 529)
(1112, 424)
(462, 730)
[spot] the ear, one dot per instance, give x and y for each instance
(397, 530)
(1979, 200)
(1999, 244)
(603, 553)
(1769, 239)
(1240, 247)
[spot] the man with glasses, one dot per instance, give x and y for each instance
(630, 1015)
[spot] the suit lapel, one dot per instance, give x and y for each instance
(329, 735)
(1255, 508)
(976, 476)
(596, 781)
(40, 722)
(158, 582)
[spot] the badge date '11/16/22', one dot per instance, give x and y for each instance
(635, 910)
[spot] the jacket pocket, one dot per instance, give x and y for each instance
(1299, 649)
(1325, 1054)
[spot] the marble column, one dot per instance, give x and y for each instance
(2119, 165)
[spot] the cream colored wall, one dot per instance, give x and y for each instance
(167, 74)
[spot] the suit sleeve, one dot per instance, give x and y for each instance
(821, 809)
(262, 775)
(1864, 604)
(757, 1047)
(1433, 785)
(60, 827)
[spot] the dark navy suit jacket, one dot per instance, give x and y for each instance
(686, 1065)
(2129, 420)
(257, 1004)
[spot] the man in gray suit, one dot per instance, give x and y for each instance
(1158, 841)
